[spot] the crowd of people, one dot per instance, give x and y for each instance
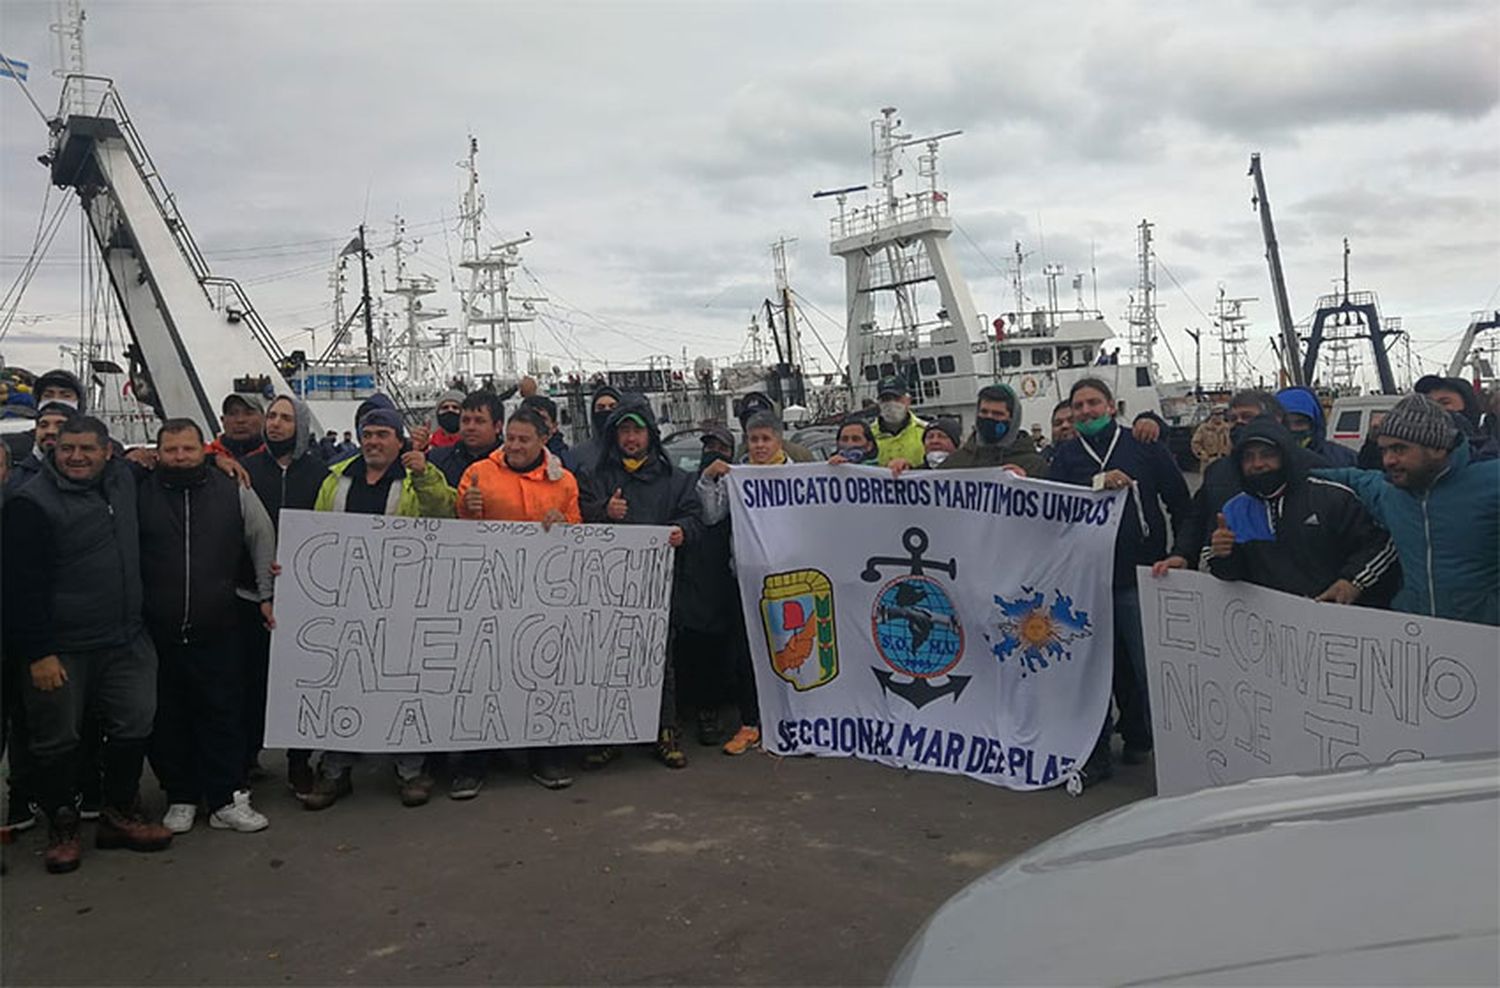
(140, 585)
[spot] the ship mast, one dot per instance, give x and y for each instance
(68, 29)
(490, 310)
(409, 351)
(1142, 313)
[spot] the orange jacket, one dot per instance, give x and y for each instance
(511, 496)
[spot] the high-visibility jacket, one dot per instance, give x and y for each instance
(512, 496)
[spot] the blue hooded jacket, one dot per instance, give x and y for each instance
(1448, 536)
(1303, 402)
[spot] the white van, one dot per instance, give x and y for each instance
(1349, 422)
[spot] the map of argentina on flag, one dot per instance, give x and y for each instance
(11, 68)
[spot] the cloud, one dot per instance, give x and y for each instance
(656, 150)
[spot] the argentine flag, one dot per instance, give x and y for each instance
(13, 69)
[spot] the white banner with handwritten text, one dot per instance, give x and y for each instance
(425, 634)
(1248, 682)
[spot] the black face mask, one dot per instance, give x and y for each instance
(1266, 484)
(448, 422)
(600, 419)
(710, 456)
(240, 448)
(183, 476)
(281, 447)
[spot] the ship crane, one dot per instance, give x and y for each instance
(1290, 350)
(1359, 311)
(197, 336)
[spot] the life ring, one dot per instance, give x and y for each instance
(1029, 386)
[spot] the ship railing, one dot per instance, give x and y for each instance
(878, 216)
(1349, 298)
(98, 96)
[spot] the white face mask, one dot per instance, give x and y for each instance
(892, 412)
(936, 456)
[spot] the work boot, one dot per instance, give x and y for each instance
(669, 748)
(415, 791)
(64, 850)
(710, 729)
(300, 777)
(130, 829)
(325, 791)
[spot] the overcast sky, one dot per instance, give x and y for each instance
(655, 150)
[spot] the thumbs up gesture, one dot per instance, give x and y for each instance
(1221, 543)
(617, 505)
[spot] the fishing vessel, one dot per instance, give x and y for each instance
(911, 313)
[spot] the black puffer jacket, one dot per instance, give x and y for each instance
(192, 541)
(1312, 533)
(658, 493)
(72, 564)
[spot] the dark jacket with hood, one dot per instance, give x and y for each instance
(1220, 482)
(1143, 537)
(582, 458)
(1306, 534)
(1302, 401)
(297, 485)
(658, 492)
(72, 567)
(1016, 447)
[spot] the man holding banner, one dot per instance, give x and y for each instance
(521, 481)
(1299, 534)
(382, 480)
(1442, 510)
(948, 621)
(635, 483)
(1107, 457)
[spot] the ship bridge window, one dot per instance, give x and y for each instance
(872, 373)
(945, 364)
(1143, 377)
(1348, 421)
(927, 366)
(887, 370)
(1065, 356)
(1086, 355)
(930, 389)
(1010, 358)
(1041, 355)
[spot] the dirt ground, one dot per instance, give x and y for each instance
(754, 870)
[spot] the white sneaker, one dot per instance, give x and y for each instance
(180, 816)
(238, 815)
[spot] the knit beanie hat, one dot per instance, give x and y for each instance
(947, 426)
(1420, 420)
(452, 394)
(387, 417)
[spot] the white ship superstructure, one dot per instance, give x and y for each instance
(911, 314)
